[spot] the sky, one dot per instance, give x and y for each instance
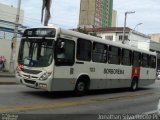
(65, 13)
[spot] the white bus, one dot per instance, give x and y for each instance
(56, 59)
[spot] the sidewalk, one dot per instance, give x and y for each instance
(6, 74)
(7, 79)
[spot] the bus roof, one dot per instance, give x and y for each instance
(96, 39)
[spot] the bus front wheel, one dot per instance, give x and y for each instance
(134, 84)
(80, 88)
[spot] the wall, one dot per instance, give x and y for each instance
(87, 10)
(103, 35)
(155, 37)
(5, 50)
(8, 13)
(136, 40)
(114, 18)
(139, 41)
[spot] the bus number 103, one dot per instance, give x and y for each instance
(92, 69)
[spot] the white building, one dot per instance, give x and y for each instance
(132, 38)
(7, 26)
(7, 21)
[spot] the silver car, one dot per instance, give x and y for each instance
(158, 75)
(158, 108)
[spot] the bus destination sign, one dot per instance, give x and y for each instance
(40, 32)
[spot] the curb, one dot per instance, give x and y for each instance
(8, 83)
(7, 75)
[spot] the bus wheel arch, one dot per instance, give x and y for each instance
(134, 83)
(82, 85)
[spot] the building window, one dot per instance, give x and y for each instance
(121, 37)
(99, 53)
(83, 50)
(109, 38)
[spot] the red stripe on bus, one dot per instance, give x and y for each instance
(135, 72)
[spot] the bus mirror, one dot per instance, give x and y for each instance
(60, 44)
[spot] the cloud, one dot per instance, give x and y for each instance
(65, 13)
(147, 12)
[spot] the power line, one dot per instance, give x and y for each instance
(33, 20)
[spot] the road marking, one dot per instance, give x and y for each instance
(122, 97)
(40, 106)
(66, 103)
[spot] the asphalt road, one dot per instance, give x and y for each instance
(18, 99)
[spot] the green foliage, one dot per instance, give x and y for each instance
(82, 30)
(86, 32)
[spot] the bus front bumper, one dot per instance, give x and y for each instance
(37, 84)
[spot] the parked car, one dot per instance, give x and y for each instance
(158, 74)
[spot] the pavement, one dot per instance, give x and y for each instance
(7, 78)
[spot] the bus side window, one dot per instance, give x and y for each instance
(65, 50)
(126, 57)
(136, 61)
(114, 54)
(145, 60)
(99, 53)
(84, 50)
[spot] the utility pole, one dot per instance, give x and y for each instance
(125, 20)
(14, 40)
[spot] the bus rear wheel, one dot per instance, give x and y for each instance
(81, 88)
(134, 84)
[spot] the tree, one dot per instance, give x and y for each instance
(46, 8)
(86, 32)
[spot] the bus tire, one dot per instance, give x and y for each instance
(80, 88)
(134, 84)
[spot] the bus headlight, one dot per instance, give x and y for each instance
(45, 76)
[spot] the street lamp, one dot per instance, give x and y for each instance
(124, 28)
(130, 33)
(137, 26)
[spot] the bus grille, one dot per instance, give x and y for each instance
(29, 81)
(31, 71)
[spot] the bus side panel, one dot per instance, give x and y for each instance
(82, 68)
(98, 76)
(103, 76)
(145, 76)
(119, 79)
(152, 74)
(63, 78)
(108, 75)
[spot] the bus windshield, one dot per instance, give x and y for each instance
(36, 52)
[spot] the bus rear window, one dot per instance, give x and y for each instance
(152, 61)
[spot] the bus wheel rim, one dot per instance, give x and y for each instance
(81, 86)
(134, 86)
